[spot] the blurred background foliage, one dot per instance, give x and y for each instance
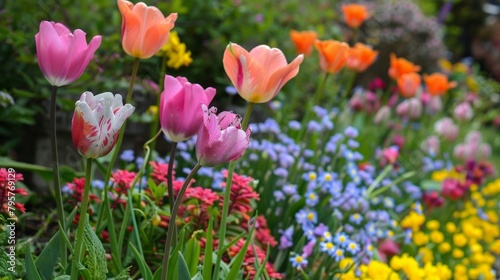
(421, 31)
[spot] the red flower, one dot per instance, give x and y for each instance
(160, 171)
(241, 194)
(249, 260)
(9, 188)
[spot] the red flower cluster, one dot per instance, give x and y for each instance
(8, 189)
(249, 261)
(262, 232)
(160, 171)
(241, 194)
(122, 181)
(76, 187)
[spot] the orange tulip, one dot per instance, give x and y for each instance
(332, 55)
(303, 41)
(438, 84)
(259, 75)
(144, 29)
(400, 66)
(355, 14)
(360, 57)
(408, 84)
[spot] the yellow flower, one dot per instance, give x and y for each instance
(457, 253)
(437, 236)
(413, 221)
(420, 238)
(176, 52)
(459, 240)
(444, 247)
(495, 247)
(445, 65)
(450, 227)
(432, 225)
(427, 255)
(379, 270)
(153, 110)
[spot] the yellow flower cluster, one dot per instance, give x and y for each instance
(413, 220)
(176, 52)
(441, 175)
(412, 270)
(373, 270)
(466, 243)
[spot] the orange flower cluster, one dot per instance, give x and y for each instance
(334, 55)
(355, 14)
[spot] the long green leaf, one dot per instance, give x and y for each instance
(182, 268)
(31, 271)
(48, 257)
(207, 260)
(238, 260)
(192, 253)
(143, 267)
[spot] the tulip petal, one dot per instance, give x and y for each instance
(271, 59)
(84, 130)
(155, 37)
(279, 78)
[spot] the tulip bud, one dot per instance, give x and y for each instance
(96, 123)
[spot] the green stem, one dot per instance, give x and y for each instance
(161, 86)
(130, 207)
(81, 223)
(55, 170)
(227, 196)
(309, 111)
(105, 205)
(173, 217)
(170, 175)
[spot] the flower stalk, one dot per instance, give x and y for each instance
(55, 172)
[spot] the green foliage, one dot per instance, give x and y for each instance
(95, 260)
(48, 258)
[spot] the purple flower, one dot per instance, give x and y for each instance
(286, 238)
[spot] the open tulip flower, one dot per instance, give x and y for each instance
(332, 55)
(303, 41)
(96, 123)
(401, 66)
(408, 84)
(180, 112)
(62, 55)
(220, 138)
(144, 29)
(259, 75)
(438, 84)
(360, 57)
(355, 14)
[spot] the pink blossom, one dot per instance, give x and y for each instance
(388, 248)
(62, 55)
(446, 128)
(220, 138)
(410, 108)
(180, 111)
(463, 111)
(434, 105)
(431, 144)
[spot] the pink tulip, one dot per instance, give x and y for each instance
(463, 111)
(260, 74)
(220, 138)
(180, 111)
(410, 108)
(96, 123)
(431, 144)
(388, 248)
(446, 128)
(434, 104)
(63, 56)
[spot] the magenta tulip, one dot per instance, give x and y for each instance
(97, 122)
(62, 55)
(180, 107)
(220, 138)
